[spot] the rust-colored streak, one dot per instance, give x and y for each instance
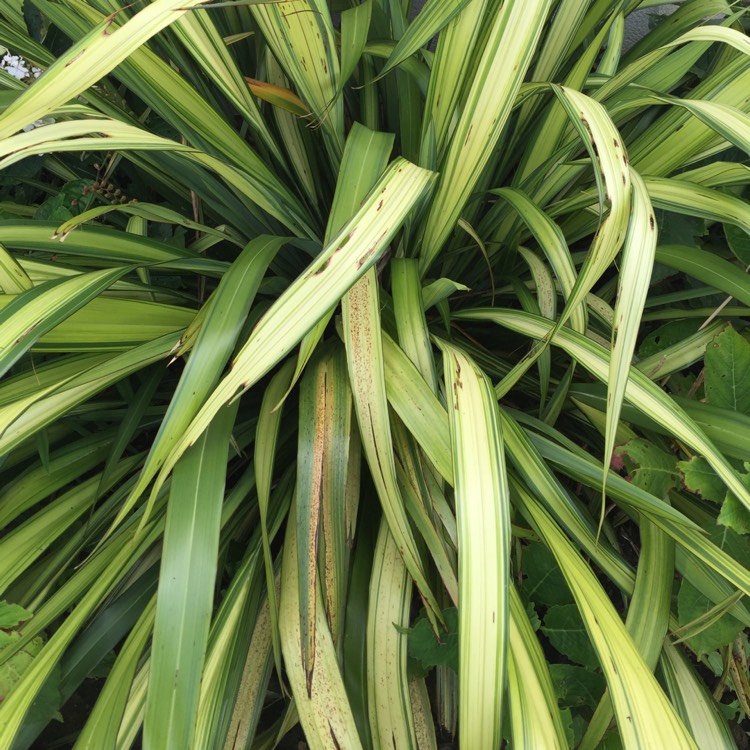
(335, 741)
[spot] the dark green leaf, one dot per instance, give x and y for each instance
(728, 372)
(691, 604)
(69, 202)
(649, 468)
(733, 513)
(675, 229)
(426, 651)
(564, 627)
(700, 478)
(12, 670)
(576, 686)
(739, 242)
(667, 335)
(731, 543)
(543, 583)
(12, 615)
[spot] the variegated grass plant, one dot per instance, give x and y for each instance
(318, 321)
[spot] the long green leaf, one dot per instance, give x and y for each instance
(104, 719)
(322, 703)
(364, 349)
(697, 708)
(482, 512)
(390, 711)
(635, 277)
(186, 588)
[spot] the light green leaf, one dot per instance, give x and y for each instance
(482, 513)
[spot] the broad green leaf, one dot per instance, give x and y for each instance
(543, 583)
(733, 513)
(428, 649)
(648, 467)
(691, 605)
(12, 615)
(700, 478)
(576, 687)
(739, 242)
(728, 372)
(564, 628)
